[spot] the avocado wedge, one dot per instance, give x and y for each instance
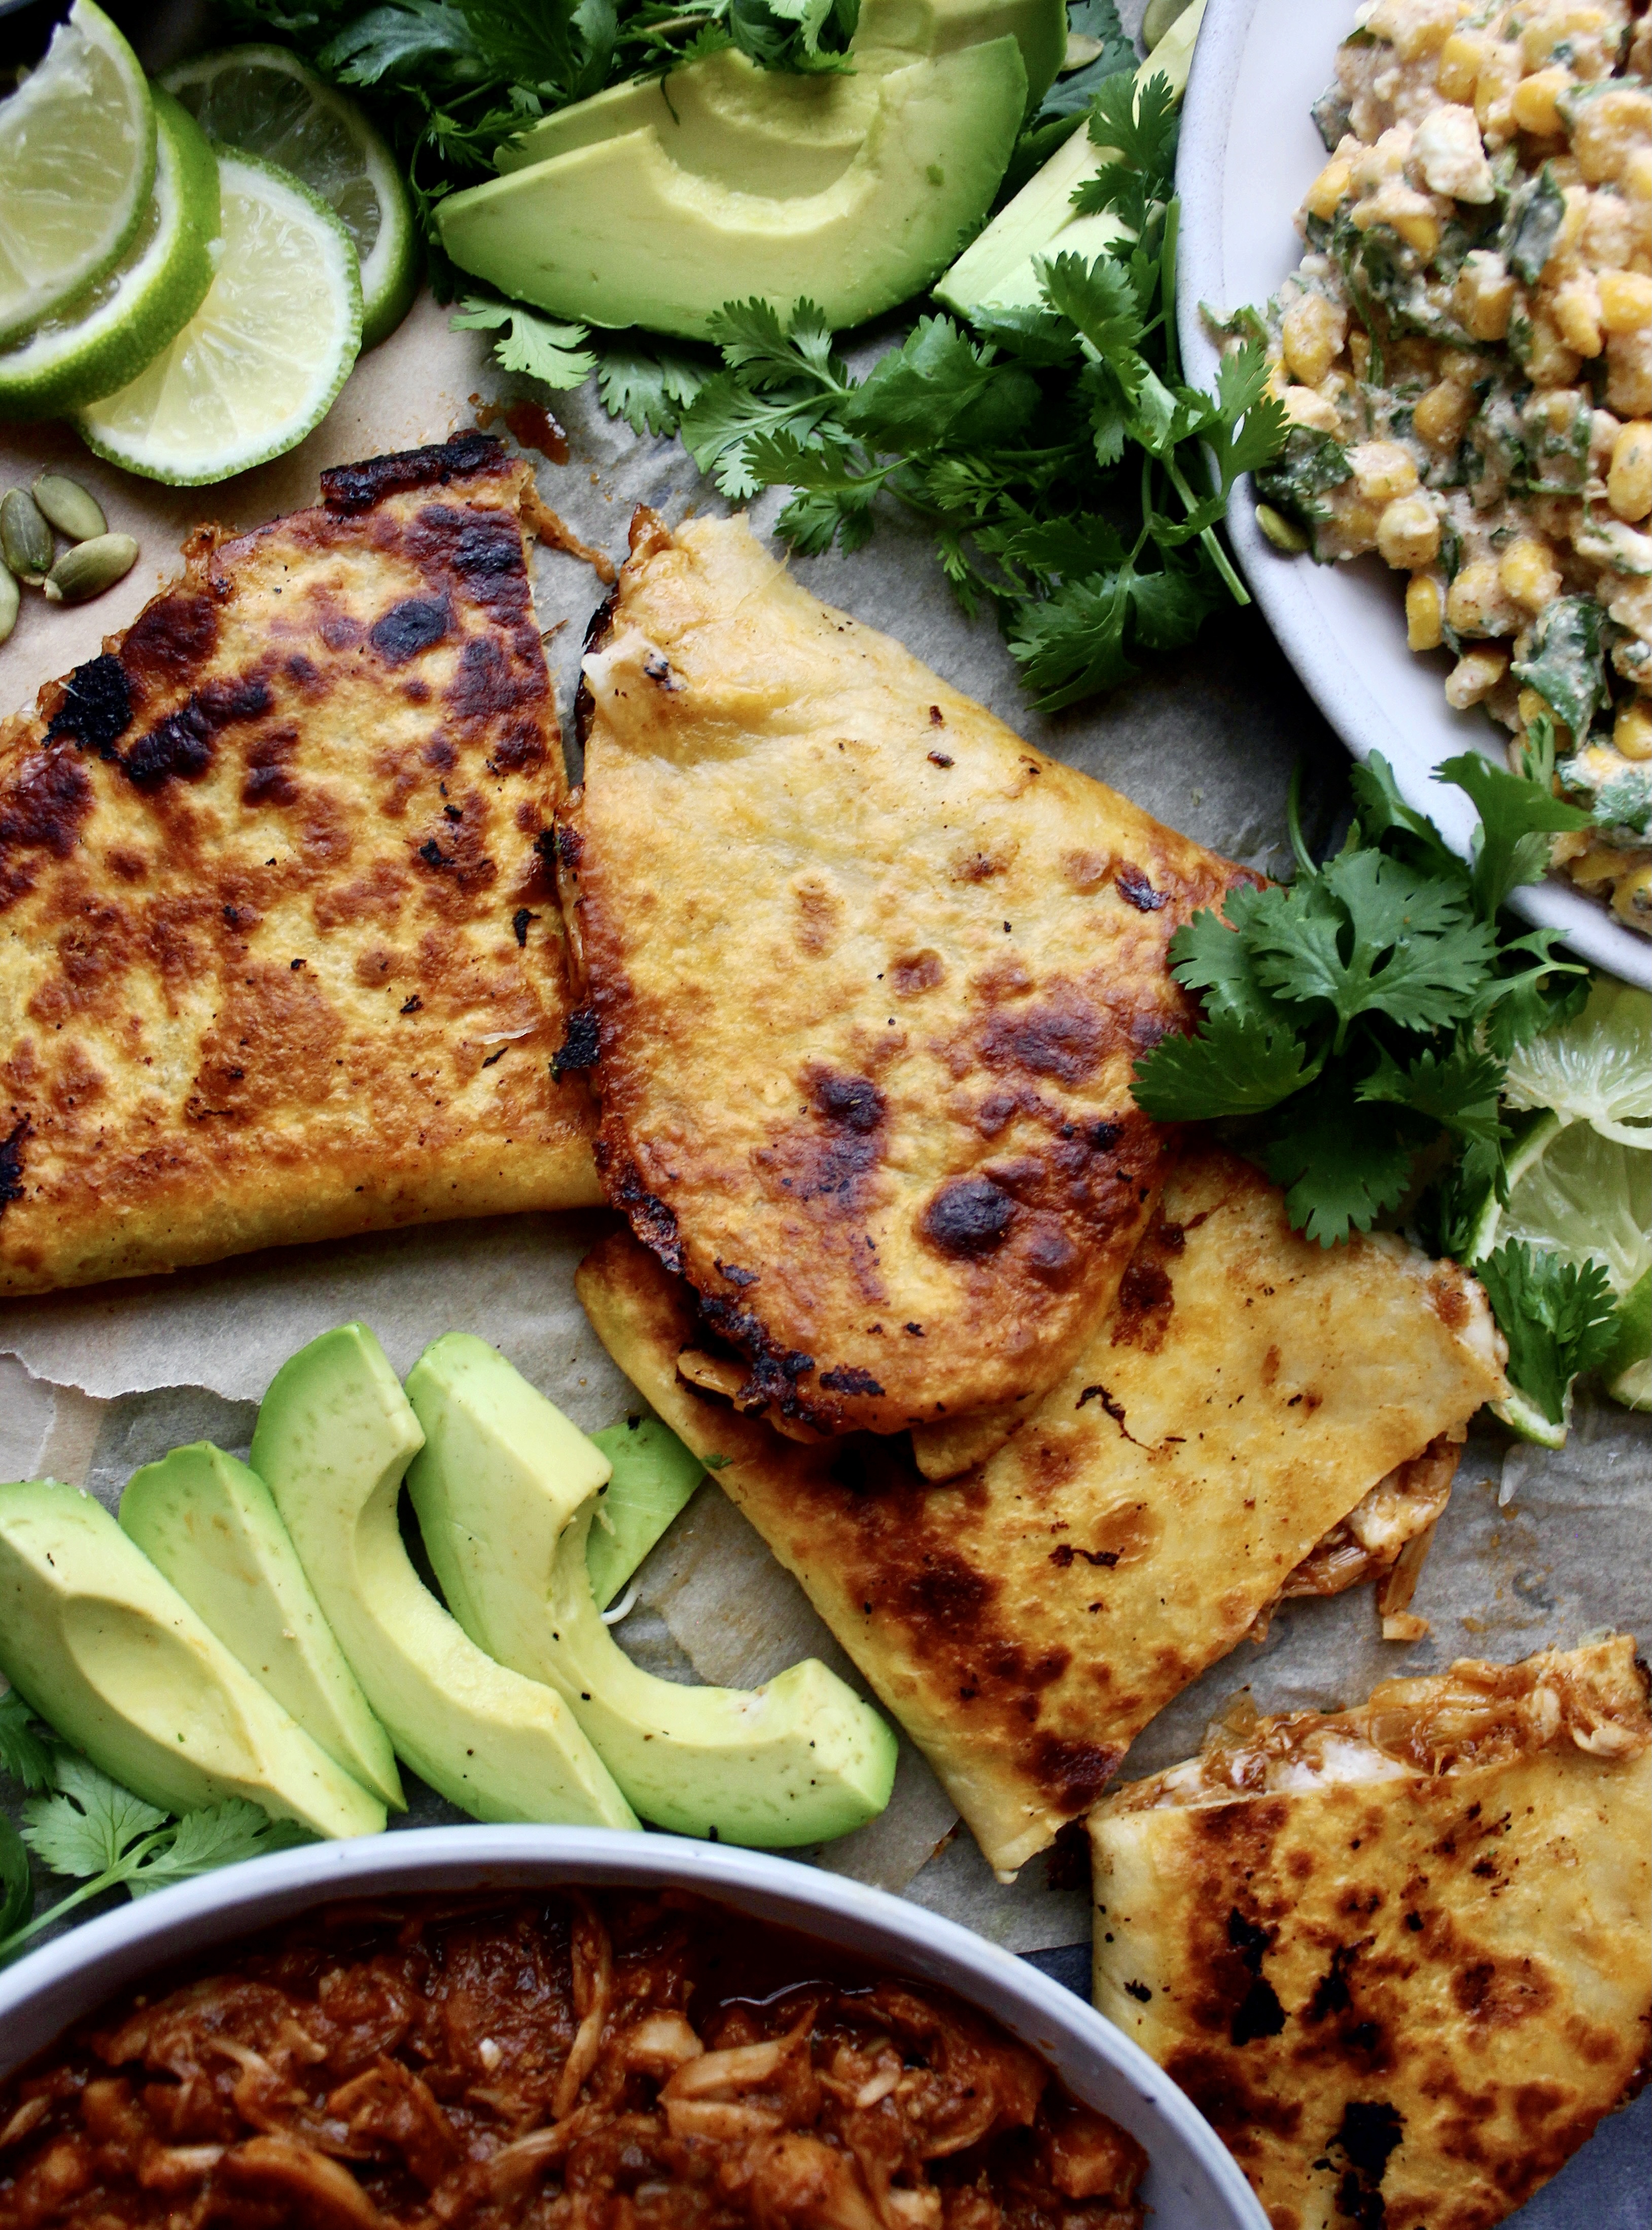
(616, 232)
(766, 133)
(798, 1761)
(210, 1526)
(100, 1644)
(335, 1435)
(654, 1477)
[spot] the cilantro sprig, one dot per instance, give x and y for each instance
(1356, 1027)
(1071, 478)
(83, 1825)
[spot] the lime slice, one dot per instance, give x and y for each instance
(108, 333)
(259, 363)
(1595, 1069)
(77, 164)
(263, 100)
(1628, 1370)
(1586, 1196)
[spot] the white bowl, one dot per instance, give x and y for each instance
(1249, 152)
(1194, 2183)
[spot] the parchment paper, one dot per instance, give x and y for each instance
(92, 1385)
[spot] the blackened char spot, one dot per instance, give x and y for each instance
(1137, 891)
(1331, 1993)
(1369, 2134)
(42, 812)
(488, 685)
(1065, 1040)
(487, 558)
(849, 1378)
(596, 630)
(947, 1594)
(1236, 2109)
(1140, 1992)
(581, 1044)
(653, 1221)
(1073, 1774)
(349, 488)
(519, 921)
(413, 625)
(96, 709)
(970, 1215)
(855, 1100)
(11, 1163)
(1259, 2013)
(180, 747)
(168, 640)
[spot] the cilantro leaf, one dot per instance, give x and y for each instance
(528, 342)
(1072, 644)
(1342, 1163)
(1099, 301)
(1567, 662)
(1559, 1318)
(24, 1754)
(92, 1824)
(1456, 1090)
(1141, 127)
(16, 1879)
(1383, 813)
(222, 1835)
(651, 387)
(1234, 1066)
(1516, 818)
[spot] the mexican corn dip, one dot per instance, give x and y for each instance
(1465, 354)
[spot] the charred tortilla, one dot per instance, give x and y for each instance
(865, 979)
(1024, 1623)
(1401, 1956)
(280, 955)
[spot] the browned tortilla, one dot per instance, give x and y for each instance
(1401, 1956)
(866, 979)
(280, 955)
(1025, 1622)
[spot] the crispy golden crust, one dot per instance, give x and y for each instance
(279, 957)
(1026, 1623)
(1400, 1956)
(867, 978)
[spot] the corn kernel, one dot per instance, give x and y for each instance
(1474, 602)
(1474, 676)
(1534, 100)
(1635, 179)
(1607, 130)
(1304, 408)
(1484, 296)
(1460, 59)
(1632, 730)
(1413, 29)
(1632, 897)
(1599, 864)
(1424, 612)
(1408, 533)
(1418, 229)
(1549, 362)
(1629, 374)
(1629, 477)
(1528, 573)
(1576, 312)
(1329, 186)
(1312, 332)
(1625, 300)
(1360, 354)
(1382, 470)
(1495, 83)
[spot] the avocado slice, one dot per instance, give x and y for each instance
(102, 1646)
(210, 1526)
(655, 1478)
(766, 132)
(335, 1435)
(617, 234)
(800, 1760)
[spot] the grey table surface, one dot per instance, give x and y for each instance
(1208, 740)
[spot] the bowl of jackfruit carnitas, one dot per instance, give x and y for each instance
(493, 2025)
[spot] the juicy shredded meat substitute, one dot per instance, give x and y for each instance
(614, 2061)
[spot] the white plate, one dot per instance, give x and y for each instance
(1249, 152)
(1194, 2183)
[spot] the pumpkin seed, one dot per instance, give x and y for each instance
(1160, 15)
(90, 568)
(70, 508)
(1282, 532)
(11, 598)
(25, 538)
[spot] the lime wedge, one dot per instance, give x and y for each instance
(109, 332)
(1528, 1422)
(1597, 1068)
(259, 363)
(1585, 1196)
(1628, 1370)
(77, 164)
(263, 100)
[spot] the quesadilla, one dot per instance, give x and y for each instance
(863, 980)
(279, 951)
(1243, 1395)
(1400, 1956)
